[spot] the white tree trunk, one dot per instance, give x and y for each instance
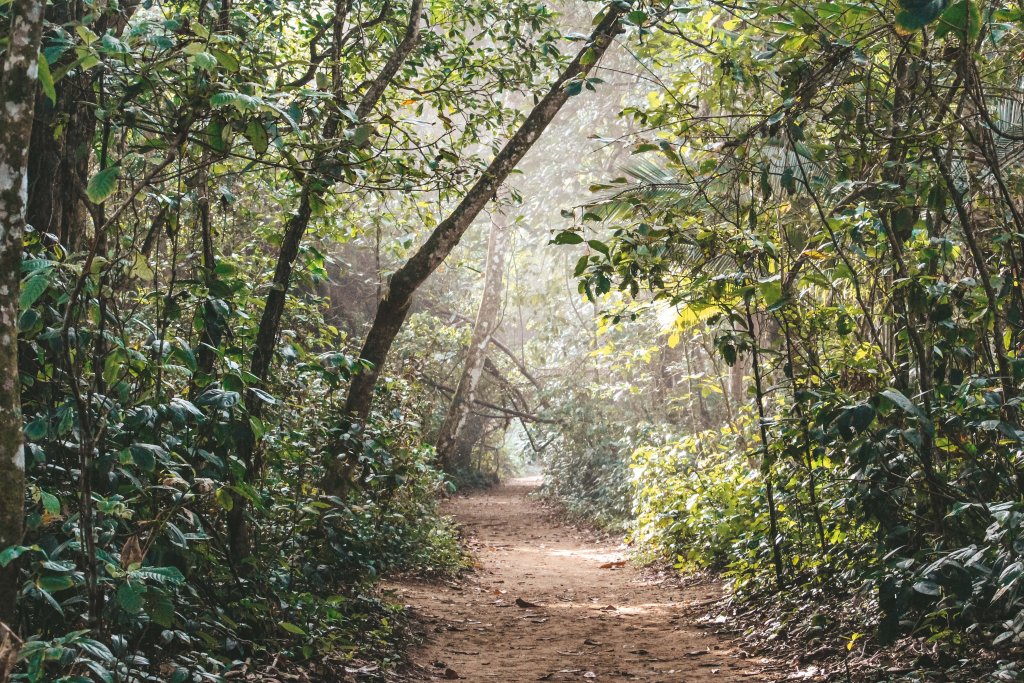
(451, 441)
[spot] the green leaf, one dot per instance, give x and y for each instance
(32, 289)
(86, 34)
(51, 503)
(962, 19)
(160, 608)
(901, 401)
(916, 14)
(256, 133)
(581, 266)
(361, 134)
(637, 17)
(129, 599)
(226, 60)
(205, 61)
(292, 628)
(770, 290)
(170, 575)
(46, 79)
(567, 237)
(909, 407)
(11, 553)
(574, 87)
(55, 584)
(103, 184)
(263, 396)
(96, 649)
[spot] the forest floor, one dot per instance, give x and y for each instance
(553, 603)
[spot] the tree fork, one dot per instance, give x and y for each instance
(394, 308)
(450, 441)
(273, 310)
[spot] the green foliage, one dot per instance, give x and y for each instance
(177, 521)
(816, 213)
(170, 591)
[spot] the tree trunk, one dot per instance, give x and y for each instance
(18, 74)
(295, 230)
(59, 156)
(406, 280)
(450, 440)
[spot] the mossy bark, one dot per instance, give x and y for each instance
(20, 69)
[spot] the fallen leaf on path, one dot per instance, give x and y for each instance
(524, 604)
(613, 565)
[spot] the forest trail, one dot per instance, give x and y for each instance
(540, 606)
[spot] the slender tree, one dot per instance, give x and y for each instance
(452, 446)
(314, 184)
(394, 307)
(20, 69)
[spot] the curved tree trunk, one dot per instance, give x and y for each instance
(452, 443)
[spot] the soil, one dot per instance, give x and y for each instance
(548, 602)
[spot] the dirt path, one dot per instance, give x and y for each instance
(580, 621)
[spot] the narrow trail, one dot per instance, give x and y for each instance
(541, 606)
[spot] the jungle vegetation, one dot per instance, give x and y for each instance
(745, 278)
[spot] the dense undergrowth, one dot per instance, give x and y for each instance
(204, 183)
(822, 228)
(167, 598)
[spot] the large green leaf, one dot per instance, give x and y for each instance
(103, 184)
(962, 19)
(916, 14)
(129, 599)
(33, 288)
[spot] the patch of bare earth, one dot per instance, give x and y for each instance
(547, 602)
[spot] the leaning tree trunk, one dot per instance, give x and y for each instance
(18, 73)
(451, 441)
(313, 185)
(406, 280)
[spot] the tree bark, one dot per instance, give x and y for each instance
(406, 280)
(299, 222)
(59, 162)
(295, 230)
(18, 75)
(451, 442)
